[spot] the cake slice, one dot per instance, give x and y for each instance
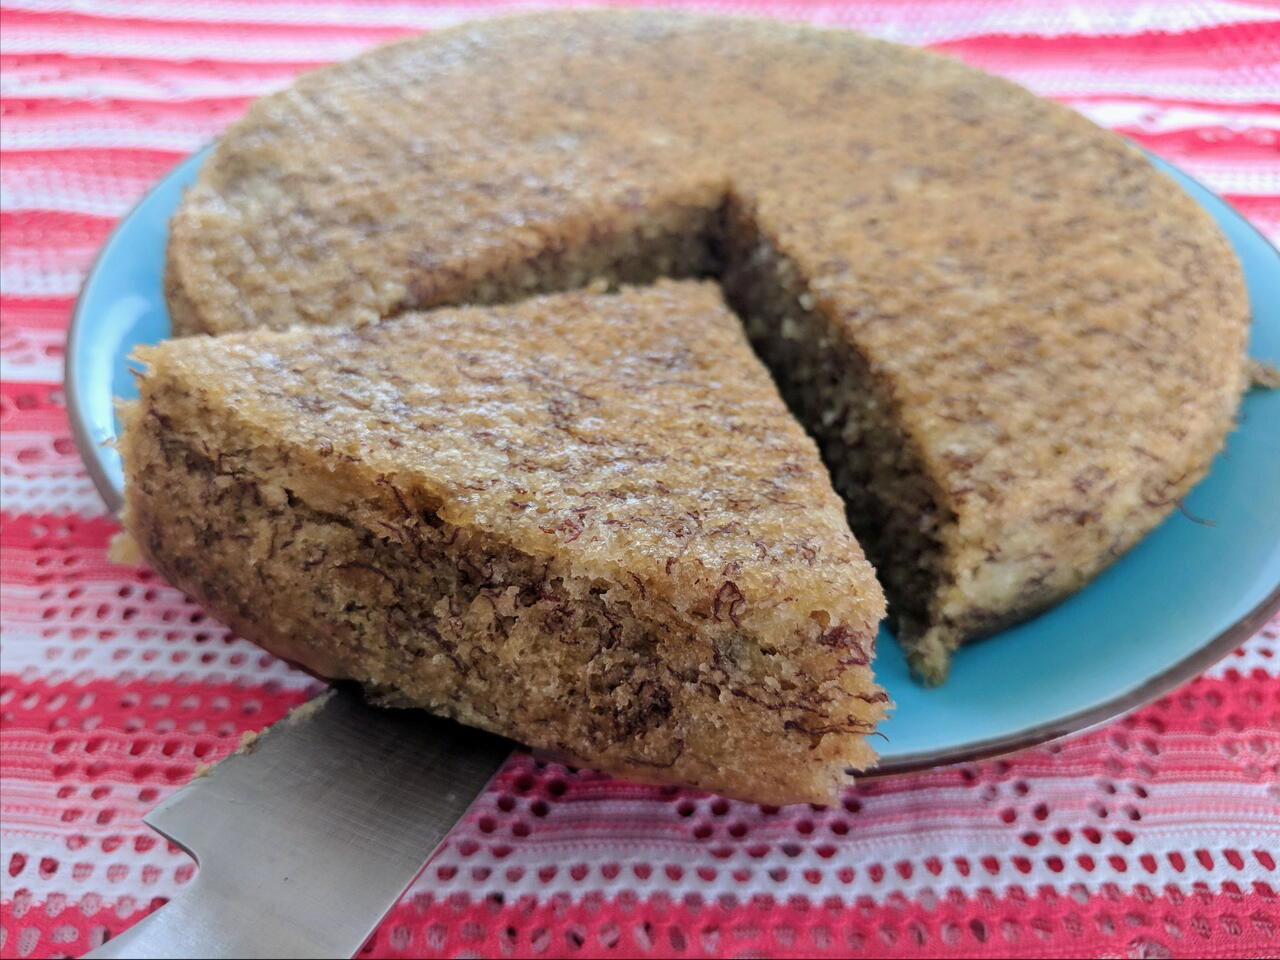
(587, 522)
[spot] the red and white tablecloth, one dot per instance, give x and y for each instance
(1156, 836)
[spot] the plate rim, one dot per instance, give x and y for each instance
(991, 748)
(81, 434)
(1108, 711)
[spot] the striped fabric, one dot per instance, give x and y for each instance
(1156, 836)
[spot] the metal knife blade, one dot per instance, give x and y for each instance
(306, 837)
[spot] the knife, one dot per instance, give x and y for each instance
(307, 836)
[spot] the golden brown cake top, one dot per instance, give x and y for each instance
(1057, 326)
(634, 436)
(1004, 263)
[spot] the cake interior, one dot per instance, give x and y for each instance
(892, 504)
(890, 501)
(427, 614)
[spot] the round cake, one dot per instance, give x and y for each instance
(1016, 343)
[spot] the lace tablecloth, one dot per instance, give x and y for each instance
(1156, 836)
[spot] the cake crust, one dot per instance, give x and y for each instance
(586, 522)
(1040, 337)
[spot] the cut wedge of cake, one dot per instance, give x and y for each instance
(586, 521)
(1016, 343)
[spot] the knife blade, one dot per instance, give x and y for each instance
(308, 835)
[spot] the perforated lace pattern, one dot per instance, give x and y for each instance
(1156, 836)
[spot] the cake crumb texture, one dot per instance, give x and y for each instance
(586, 521)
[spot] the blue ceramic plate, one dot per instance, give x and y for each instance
(1176, 603)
